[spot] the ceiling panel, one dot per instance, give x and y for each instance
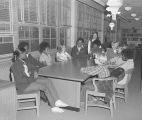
(136, 8)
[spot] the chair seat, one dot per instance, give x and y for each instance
(33, 96)
(27, 95)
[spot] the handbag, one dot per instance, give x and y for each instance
(119, 73)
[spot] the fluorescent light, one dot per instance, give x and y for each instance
(133, 15)
(118, 12)
(137, 18)
(111, 25)
(108, 15)
(128, 8)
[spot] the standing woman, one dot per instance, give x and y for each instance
(93, 38)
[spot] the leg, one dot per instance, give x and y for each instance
(88, 86)
(40, 86)
(52, 91)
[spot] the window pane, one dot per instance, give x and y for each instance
(34, 45)
(26, 11)
(34, 32)
(53, 33)
(4, 10)
(62, 36)
(23, 32)
(6, 48)
(4, 27)
(33, 10)
(47, 40)
(0, 39)
(7, 39)
(46, 32)
(53, 43)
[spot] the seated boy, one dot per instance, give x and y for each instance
(45, 56)
(100, 71)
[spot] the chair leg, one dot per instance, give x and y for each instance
(111, 108)
(86, 101)
(114, 103)
(37, 105)
(126, 94)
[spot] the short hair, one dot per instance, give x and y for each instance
(96, 42)
(80, 39)
(127, 53)
(16, 55)
(43, 46)
(22, 45)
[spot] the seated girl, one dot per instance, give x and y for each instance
(62, 55)
(25, 82)
(45, 56)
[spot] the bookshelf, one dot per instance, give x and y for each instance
(132, 37)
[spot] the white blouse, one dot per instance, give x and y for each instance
(63, 56)
(47, 59)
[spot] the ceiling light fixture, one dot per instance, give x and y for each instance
(114, 6)
(128, 8)
(111, 25)
(108, 15)
(137, 19)
(133, 14)
(118, 12)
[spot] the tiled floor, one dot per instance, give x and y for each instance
(130, 111)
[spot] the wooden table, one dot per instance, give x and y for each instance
(67, 79)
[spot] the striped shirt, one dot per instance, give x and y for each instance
(99, 70)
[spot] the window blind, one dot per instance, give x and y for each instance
(4, 16)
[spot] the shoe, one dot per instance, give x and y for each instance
(57, 110)
(60, 103)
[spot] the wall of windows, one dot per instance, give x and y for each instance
(35, 21)
(49, 19)
(6, 39)
(89, 20)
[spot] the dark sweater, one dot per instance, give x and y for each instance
(79, 54)
(20, 77)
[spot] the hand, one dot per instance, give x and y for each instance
(82, 69)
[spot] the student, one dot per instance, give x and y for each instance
(32, 63)
(25, 82)
(113, 52)
(128, 63)
(100, 71)
(61, 54)
(93, 38)
(45, 57)
(96, 49)
(79, 50)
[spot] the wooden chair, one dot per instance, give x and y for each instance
(33, 96)
(121, 90)
(101, 96)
